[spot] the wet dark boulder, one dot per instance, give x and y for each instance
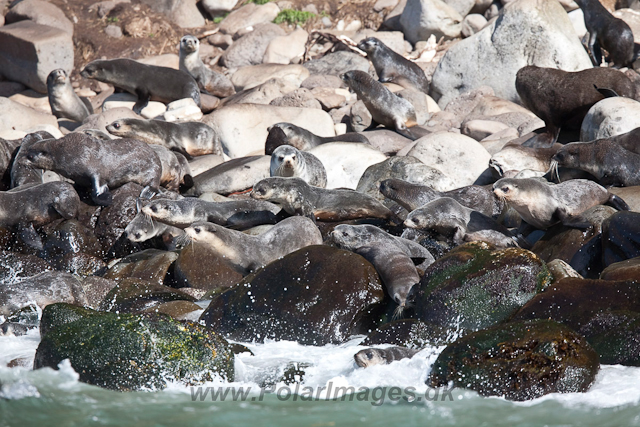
(15, 267)
(409, 333)
(73, 247)
(621, 237)
(603, 311)
(190, 270)
(133, 295)
(315, 296)
(20, 322)
(179, 309)
(128, 352)
(61, 313)
(623, 270)
(518, 360)
(114, 219)
(474, 286)
(151, 265)
(80, 264)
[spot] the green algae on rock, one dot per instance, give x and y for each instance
(474, 287)
(127, 352)
(518, 360)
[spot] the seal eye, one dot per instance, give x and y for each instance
(197, 230)
(505, 189)
(116, 125)
(281, 158)
(154, 208)
(369, 354)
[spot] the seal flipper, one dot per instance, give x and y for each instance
(607, 93)
(618, 203)
(101, 195)
(30, 236)
(572, 221)
(402, 129)
(87, 104)
(143, 100)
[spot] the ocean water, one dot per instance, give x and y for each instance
(386, 395)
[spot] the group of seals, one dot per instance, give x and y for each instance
(287, 161)
(210, 81)
(302, 139)
(63, 100)
(382, 356)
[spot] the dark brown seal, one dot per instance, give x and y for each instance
(63, 100)
(300, 138)
(562, 99)
(609, 32)
(99, 165)
(392, 67)
(147, 82)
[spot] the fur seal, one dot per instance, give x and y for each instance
(299, 198)
(175, 169)
(287, 161)
(447, 217)
(192, 138)
(36, 205)
(147, 82)
(21, 173)
(63, 100)
(385, 107)
(392, 67)
(412, 196)
(184, 212)
(519, 158)
(142, 228)
(562, 98)
(382, 356)
(214, 83)
(231, 176)
(247, 253)
(611, 34)
(97, 164)
(542, 205)
(289, 134)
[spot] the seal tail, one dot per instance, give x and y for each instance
(618, 203)
(607, 93)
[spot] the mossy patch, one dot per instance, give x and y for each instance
(293, 17)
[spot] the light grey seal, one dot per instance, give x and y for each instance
(382, 356)
(64, 101)
(176, 172)
(287, 161)
(284, 133)
(212, 82)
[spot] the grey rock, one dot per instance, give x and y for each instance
(250, 48)
(41, 12)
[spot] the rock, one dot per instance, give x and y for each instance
(337, 63)
(150, 265)
(8, 89)
(250, 48)
(560, 270)
(216, 7)
(480, 129)
(463, 7)
(610, 117)
(20, 322)
(299, 98)
(238, 140)
(133, 295)
(422, 18)
(384, 4)
(222, 41)
(169, 60)
(419, 102)
(345, 162)
(632, 18)
(95, 289)
(104, 7)
(287, 49)
(322, 81)
(179, 310)
(249, 15)
(474, 287)
(32, 99)
(602, 311)
(286, 300)
(237, 174)
(261, 94)
(113, 31)
(330, 98)
(457, 156)
(472, 24)
(114, 219)
(15, 267)
(409, 333)
(528, 32)
(631, 195)
(80, 264)
(518, 360)
(16, 117)
(41, 12)
(361, 118)
(128, 352)
(183, 13)
(191, 272)
(623, 270)
(386, 141)
(394, 40)
(127, 100)
(43, 289)
(620, 237)
(182, 110)
(249, 77)
(29, 52)
(101, 120)
(577, 20)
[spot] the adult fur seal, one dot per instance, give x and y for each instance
(562, 98)
(184, 212)
(543, 205)
(36, 205)
(299, 198)
(385, 107)
(248, 253)
(147, 82)
(287, 161)
(449, 218)
(382, 356)
(609, 32)
(63, 100)
(412, 196)
(392, 67)
(212, 82)
(192, 138)
(289, 134)
(97, 164)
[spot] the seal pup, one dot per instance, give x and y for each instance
(184, 212)
(611, 34)
(385, 107)
(289, 134)
(21, 173)
(449, 218)
(147, 82)
(235, 175)
(519, 158)
(542, 204)
(176, 172)
(562, 98)
(392, 67)
(100, 165)
(64, 102)
(247, 253)
(287, 161)
(212, 82)
(382, 356)
(412, 196)
(29, 206)
(192, 138)
(299, 198)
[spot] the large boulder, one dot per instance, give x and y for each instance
(134, 295)
(610, 117)
(15, 117)
(518, 360)
(191, 272)
(250, 48)
(314, 296)
(30, 51)
(41, 12)
(423, 18)
(128, 352)
(249, 15)
(527, 32)
(184, 13)
(251, 76)
(345, 162)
